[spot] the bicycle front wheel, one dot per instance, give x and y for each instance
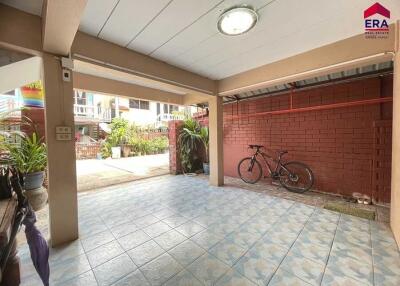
(250, 170)
(296, 177)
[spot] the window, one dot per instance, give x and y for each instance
(133, 103)
(165, 107)
(80, 98)
(173, 108)
(139, 104)
(144, 105)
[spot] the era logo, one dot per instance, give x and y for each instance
(376, 17)
(376, 24)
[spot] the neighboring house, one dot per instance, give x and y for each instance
(149, 113)
(91, 110)
(9, 101)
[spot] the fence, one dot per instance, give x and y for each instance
(153, 134)
(87, 150)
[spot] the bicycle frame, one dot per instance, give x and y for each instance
(267, 157)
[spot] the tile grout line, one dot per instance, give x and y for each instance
(372, 253)
(330, 250)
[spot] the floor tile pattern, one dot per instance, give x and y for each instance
(177, 230)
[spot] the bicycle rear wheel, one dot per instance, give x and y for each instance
(296, 177)
(250, 170)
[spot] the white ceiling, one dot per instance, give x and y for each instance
(184, 32)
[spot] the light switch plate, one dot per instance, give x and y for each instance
(63, 129)
(63, 137)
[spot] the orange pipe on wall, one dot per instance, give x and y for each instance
(313, 108)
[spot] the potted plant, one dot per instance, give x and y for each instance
(30, 159)
(204, 135)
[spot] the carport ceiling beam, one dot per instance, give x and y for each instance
(60, 23)
(101, 52)
(114, 87)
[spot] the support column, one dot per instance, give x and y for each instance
(216, 129)
(395, 196)
(59, 100)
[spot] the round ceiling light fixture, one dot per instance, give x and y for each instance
(237, 20)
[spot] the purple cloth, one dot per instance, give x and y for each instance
(37, 246)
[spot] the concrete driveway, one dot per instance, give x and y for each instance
(95, 173)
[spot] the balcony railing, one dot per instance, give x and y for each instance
(8, 104)
(169, 117)
(163, 118)
(92, 112)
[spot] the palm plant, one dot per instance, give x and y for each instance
(205, 138)
(30, 156)
(189, 140)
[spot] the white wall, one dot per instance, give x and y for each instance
(141, 117)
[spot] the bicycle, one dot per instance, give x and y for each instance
(294, 176)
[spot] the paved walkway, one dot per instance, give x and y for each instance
(177, 230)
(94, 174)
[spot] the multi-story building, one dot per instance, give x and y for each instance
(94, 111)
(150, 113)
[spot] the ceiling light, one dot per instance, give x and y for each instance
(237, 20)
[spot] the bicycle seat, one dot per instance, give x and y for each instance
(281, 152)
(256, 146)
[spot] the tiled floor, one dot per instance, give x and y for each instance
(176, 230)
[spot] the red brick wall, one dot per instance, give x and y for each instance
(337, 144)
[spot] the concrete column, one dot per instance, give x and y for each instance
(395, 196)
(216, 129)
(59, 100)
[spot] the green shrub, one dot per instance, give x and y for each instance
(124, 133)
(119, 132)
(160, 144)
(105, 150)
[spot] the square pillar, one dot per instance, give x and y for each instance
(216, 133)
(395, 188)
(63, 205)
